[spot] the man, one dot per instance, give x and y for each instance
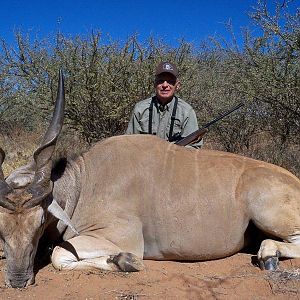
(164, 115)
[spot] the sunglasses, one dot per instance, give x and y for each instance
(169, 81)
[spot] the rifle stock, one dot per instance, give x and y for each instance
(198, 134)
(194, 137)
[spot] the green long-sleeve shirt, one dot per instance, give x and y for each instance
(185, 119)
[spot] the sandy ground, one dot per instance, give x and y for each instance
(235, 277)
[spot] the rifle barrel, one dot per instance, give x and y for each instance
(223, 115)
(200, 132)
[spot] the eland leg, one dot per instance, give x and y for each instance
(270, 251)
(283, 222)
(109, 249)
(273, 204)
(75, 254)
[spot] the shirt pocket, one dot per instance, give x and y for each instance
(144, 124)
(177, 126)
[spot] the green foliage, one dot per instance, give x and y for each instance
(104, 80)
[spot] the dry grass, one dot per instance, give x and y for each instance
(20, 145)
(285, 275)
(18, 148)
(284, 281)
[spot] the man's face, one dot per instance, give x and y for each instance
(166, 85)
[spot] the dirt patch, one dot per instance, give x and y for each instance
(234, 277)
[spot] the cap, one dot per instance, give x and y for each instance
(166, 67)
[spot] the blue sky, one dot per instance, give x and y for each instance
(170, 20)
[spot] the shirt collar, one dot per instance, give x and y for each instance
(162, 108)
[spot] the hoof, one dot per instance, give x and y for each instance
(270, 264)
(128, 262)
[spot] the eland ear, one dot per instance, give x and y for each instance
(55, 209)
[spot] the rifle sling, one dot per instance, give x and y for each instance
(151, 115)
(173, 119)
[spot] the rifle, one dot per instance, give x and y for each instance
(198, 134)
